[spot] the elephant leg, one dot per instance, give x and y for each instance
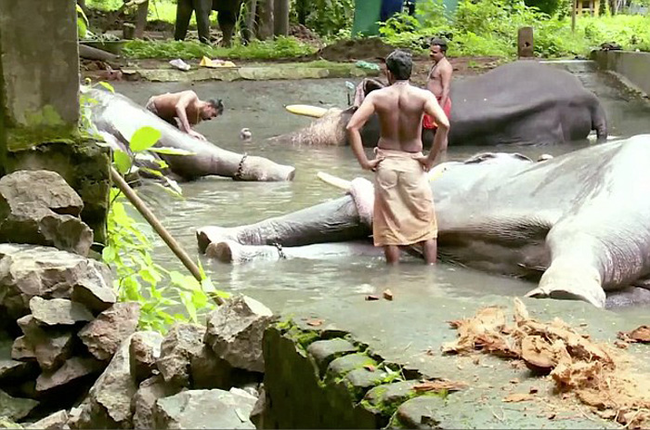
(334, 221)
(235, 253)
(184, 10)
(202, 9)
(227, 20)
(575, 272)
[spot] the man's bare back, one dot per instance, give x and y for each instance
(403, 213)
(184, 110)
(166, 106)
(400, 108)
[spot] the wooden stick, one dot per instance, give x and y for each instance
(162, 232)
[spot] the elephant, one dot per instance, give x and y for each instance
(227, 14)
(576, 223)
(523, 102)
(117, 117)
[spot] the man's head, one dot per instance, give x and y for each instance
(437, 49)
(211, 109)
(399, 64)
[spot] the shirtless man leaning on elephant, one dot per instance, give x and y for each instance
(184, 110)
(403, 210)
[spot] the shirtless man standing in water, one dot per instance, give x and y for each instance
(403, 210)
(184, 110)
(439, 82)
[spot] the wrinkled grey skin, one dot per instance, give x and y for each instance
(120, 117)
(523, 102)
(579, 222)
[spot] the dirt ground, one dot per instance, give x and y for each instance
(366, 49)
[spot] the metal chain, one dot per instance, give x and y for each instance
(240, 169)
(281, 253)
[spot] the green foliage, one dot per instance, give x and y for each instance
(325, 17)
(549, 7)
(489, 28)
(282, 47)
(82, 23)
(165, 296)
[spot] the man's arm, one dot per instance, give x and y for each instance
(353, 128)
(181, 109)
(433, 109)
(445, 81)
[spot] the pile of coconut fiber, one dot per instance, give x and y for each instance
(601, 376)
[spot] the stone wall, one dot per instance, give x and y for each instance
(634, 67)
(39, 102)
(325, 379)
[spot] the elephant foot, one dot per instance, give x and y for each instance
(571, 281)
(235, 253)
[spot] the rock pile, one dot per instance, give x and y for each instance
(195, 377)
(70, 354)
(58, 312)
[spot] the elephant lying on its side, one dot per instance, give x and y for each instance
(579, 221)
(120, 117)
(523, 102)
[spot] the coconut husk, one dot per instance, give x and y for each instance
(597, 374)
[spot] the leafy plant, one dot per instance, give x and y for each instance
(82, 23)
(165, 296)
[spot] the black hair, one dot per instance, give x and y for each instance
(441, 43)
(400, 64)
(217, 105)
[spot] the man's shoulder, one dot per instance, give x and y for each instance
(419, 92)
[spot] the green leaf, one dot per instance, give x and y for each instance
(174, 186)
(161, 163)
(152, 171)
(108, 86)
(122, 161)
(171, 151)
(144, 138)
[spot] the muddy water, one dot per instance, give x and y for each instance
(260, 107)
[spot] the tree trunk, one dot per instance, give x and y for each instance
(249, 23)
(266, 24)
(141, 19)
(281, 18)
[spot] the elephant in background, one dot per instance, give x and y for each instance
(228, 12)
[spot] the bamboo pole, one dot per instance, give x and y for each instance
(162, 232)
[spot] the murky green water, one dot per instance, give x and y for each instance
(215, 201)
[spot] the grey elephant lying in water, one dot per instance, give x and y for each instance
(580, 223)
(523, 102)
(117, 116)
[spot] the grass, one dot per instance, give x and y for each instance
(281, 48)
(161, 10)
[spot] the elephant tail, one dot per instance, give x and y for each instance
(599, 122)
